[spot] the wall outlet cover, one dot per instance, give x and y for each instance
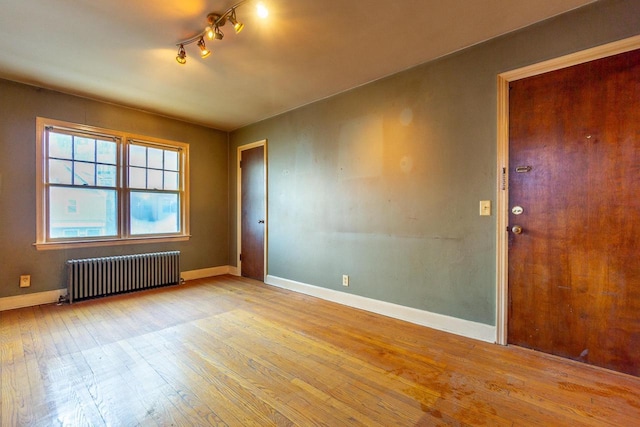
(25, 281)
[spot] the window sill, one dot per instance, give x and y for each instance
(70, 244)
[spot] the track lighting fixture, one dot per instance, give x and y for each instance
(182, 55)
(213, 32)
(238, 26)
(218, 34)
(204, 52)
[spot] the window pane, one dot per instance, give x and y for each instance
(106, 176)
(154, 213)
(171, 181)
(107, 152)
(155, 158)
(171, 160)
(84, 173)
(137, 155)
(154, 179)
(59, 171)
(59, 145)
(84, 149)
(137, 178)
(82, 212)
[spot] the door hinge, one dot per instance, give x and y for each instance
(240, 164)
(240, 257)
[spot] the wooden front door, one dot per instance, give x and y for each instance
(574, 191)
(253, 218)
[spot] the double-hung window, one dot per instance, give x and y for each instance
(100, 187)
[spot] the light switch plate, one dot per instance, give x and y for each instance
(485, 207)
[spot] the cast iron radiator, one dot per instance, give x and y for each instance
(96, 277)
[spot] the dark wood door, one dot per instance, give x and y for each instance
(253, 220)
(574, 271)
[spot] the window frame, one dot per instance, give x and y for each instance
(123, 191)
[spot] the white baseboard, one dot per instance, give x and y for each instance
(29, 300)
(39, 298)
(441, 322)
(462, 327)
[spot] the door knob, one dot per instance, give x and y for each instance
(516, 229)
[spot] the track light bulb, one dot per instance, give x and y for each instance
(204, 52)
(182, 55)
(238, 26)
(209, 32)
(262, 10)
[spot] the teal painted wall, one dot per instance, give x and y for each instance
(19, 107)
(383, 182)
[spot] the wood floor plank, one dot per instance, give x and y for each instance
(310, 376)
(68, 399)
(202, 379)
(230, 351)
(575, 412)
(185, 373)
(248, 374)
(262, 339)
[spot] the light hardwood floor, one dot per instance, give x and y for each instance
(232, 351)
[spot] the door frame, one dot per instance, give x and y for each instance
(502, 200)
(239, 205)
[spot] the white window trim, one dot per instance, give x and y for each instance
(123, 239)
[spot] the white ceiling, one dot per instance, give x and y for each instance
(124, 51)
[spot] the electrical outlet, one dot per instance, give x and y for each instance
(25, 281)
(345, 280)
